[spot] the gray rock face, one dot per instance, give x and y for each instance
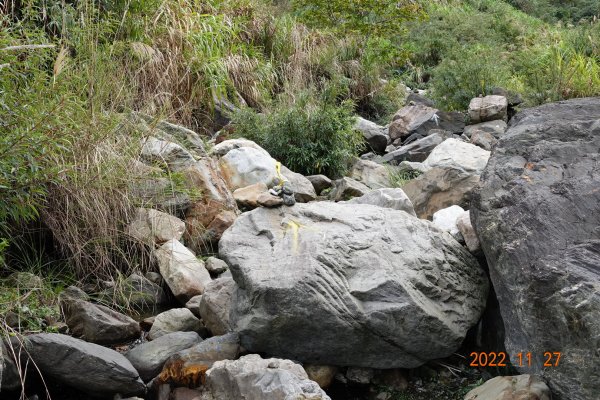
(175, 320)
(216, 304)
(393, 198)
(488, 108)
(375, 135)
(149, 358)
(88, 367)
(254, 378)
(537, 215)
(521, 387)
(98, 324)
(348, 284)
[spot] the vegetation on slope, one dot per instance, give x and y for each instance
(71, 72)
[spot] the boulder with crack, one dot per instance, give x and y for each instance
(350, 284)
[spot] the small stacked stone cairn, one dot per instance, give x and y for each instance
(282, 188)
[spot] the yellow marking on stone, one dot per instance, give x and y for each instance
(295, 227)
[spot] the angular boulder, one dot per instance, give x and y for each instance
(408, 119)
(88, 367)
(149, 358)
(303, 188)
(98, 324)
(137, 292)
(488, 108)
(248, 196)
(254, 378)
(495, 128)
(319, 182)
(452, 170)
(181, 270)
(216, 304)
(456, 154)
(165, 152)
(348, 284)
(537, 215)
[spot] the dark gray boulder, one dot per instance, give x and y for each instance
(350, 284)
(149, 358)
(537, 215)
(98, 324)
(416, 151)
(88, 367)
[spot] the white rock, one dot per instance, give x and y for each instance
(183, 272)
(456, 154)
(488, 108)
(246, 166)
(445, 219)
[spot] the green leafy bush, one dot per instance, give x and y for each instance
(308, 136)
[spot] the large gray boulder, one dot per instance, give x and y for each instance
(151, 226)
(254, 378)
(88, 367)
(537, 215)
(375, 135)
(348, 284)
(149, 358)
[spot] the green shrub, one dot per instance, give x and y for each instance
(308, 136)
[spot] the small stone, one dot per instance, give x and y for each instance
(467, 231)
(289, 200)
(521, 387)
(319, 182)
(215, 265)
(446, 218)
